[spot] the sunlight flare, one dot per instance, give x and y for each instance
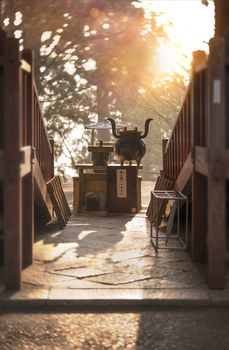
(188, 25)
(167, 57)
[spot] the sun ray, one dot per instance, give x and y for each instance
(188, 24)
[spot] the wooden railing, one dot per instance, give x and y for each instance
(191, 127)
(23, 134)
(202, 134)
(43, 145)
(177, 148)
(33, 119)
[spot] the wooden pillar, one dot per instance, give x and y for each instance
(12, 179)
(81, 190)
(221, 17)
(2, 41)
(28, 180)
(0, 14)
(227, 90)
(199, 182)
(216, 170)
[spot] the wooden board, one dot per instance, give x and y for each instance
(161, 184)
(123, 193)
(59, 200)
(41, 195)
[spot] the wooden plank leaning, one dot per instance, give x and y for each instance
(59, 201)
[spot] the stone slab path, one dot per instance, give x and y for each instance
(100, 250)
(101, 258)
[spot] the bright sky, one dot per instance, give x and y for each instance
(189, 25)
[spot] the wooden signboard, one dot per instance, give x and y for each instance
(123, 194)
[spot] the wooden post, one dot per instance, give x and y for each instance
(12, 179)
(216, 172)
(28, 180)
(199, 183)
(81, 190)
(2, 40)
(227, 89)
(221, 17)
(0, 14)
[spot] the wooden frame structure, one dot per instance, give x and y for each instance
(16, 174)
(26, 159)
(198, 149)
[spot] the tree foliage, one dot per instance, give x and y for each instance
(93, 58)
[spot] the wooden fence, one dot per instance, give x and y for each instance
(23, 138)
(177, 148)
(202, 135)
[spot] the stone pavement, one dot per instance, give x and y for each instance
(102, 259)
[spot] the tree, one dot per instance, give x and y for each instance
(92, 59)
